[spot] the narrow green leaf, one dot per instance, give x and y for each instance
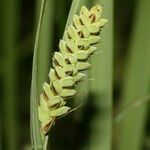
(136, 80)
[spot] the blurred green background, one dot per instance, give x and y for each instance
(81, 130)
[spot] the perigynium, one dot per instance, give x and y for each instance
(75, 48)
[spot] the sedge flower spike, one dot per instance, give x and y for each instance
(75, 48)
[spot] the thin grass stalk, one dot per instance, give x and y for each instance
(9, 28)
(101, 87)
(136, 81)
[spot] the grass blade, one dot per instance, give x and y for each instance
(101, 88)
(137, 80)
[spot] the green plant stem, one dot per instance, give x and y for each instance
(9, 31)
(101, 87)
(136, 80)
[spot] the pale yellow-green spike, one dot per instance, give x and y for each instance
(75, 48)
